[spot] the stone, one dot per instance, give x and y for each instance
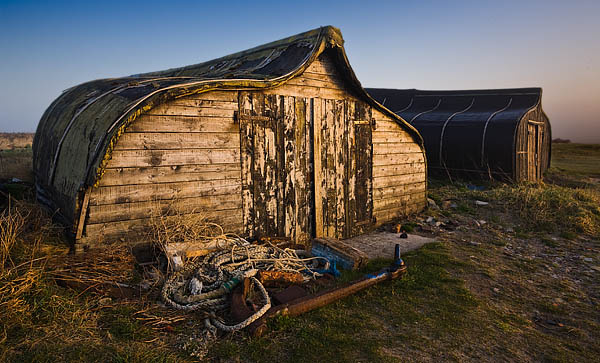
(431, 203)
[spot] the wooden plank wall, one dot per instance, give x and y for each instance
(398, 171)
(187, 154)
(184, 155)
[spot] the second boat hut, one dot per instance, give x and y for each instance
(278, 140)
(497, 133)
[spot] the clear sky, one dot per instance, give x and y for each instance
(48, 46)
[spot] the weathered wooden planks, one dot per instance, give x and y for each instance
(399, 169)
(183, 124)
(289, 167)
(308, 92)
(321, 142)
(168, 141)
(323, 65)
(397, 190)
(170, 174)
(398, 202)
(394, 180)
(365, 159)
(137, 210)
(169, 109)
(155, 157)
(395, 137)
(302, 171)
(399, 158)
(317, 81)
(147, 192)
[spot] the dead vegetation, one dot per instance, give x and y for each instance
(540, 206)
(172, 225)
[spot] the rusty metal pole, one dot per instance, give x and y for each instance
(308, 303)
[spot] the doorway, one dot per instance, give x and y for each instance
(306, 166)
(535, 137)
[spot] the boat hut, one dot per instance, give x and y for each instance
(497, 133)
(279, 140)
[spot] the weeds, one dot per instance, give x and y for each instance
(171, 225)
(540, 206)
(553, 208)
(190, 230)
(12, 221)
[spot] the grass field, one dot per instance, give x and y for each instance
(515, 280)
(578, 159)
(16, 163)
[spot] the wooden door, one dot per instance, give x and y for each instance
(535, 137)
(343, 168)
(276, 158)
(539, 144)
(531, 151)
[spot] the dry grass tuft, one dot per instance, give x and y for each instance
(540, 206)
(553, 207)
(12, 221)
(175, 226)
(23, 226)
(24, 231)
(188, 231)
(95, 270)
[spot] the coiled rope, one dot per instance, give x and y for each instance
(205, 285)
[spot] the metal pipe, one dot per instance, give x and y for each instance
(308, 303)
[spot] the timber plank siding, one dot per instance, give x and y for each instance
(310, 157)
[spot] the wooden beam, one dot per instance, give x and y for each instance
(82, 213)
